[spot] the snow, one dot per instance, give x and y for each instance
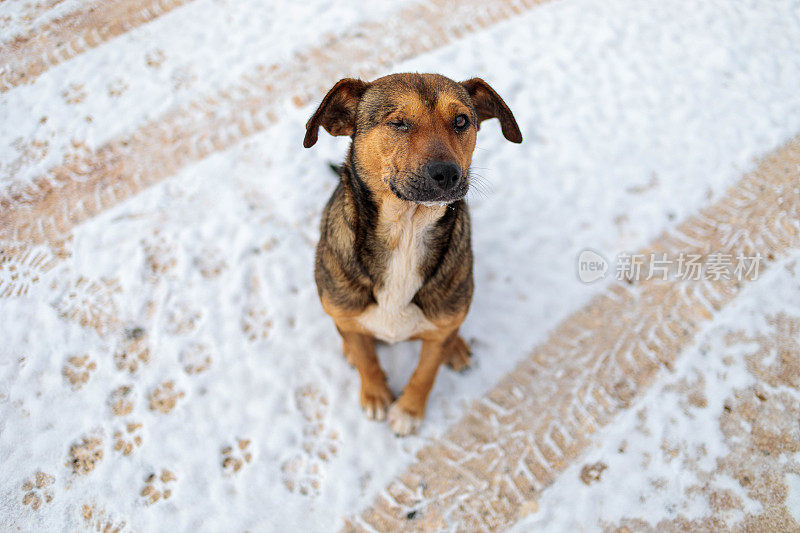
(634, 116)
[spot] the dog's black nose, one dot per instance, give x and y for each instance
(445, 174)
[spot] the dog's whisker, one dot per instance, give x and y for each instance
(481, 183)
(478, 183)
(480, 192)
(474, 194)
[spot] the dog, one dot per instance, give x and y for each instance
(394, 258)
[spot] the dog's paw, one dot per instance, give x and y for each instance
(402, 422)
(457, 356)
(375, 401)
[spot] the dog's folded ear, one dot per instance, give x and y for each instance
(488, 104)
(337, 112)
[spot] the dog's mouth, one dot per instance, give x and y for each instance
(412, 187)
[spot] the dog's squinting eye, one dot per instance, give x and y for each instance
(400, 125)
(461, 122)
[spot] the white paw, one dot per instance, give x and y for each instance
(403, 423)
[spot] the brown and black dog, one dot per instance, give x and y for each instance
(394, 260)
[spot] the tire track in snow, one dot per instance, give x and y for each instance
(489, 469)
(86, 184)
(26, 57)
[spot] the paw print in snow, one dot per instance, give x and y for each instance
(234, 458)
(97, 519)
(318, 440)
(90, 303)
(165, 397)
(256, 322)
(133, 350)
(160, 257)
(117, 87)
(128, 439)
(210, 262)
(311, 403)
(37, 490)
(85, 454)
(182, 318)
(304, 472)
(321, 442)
(154, 58)
(78, 369)
(74, 94)
(121, 400)
(157, 487)
(196, 358)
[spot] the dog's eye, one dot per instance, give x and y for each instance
(461, 122)
(400, 125)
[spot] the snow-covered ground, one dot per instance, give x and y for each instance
(191, 310)
(675, 459)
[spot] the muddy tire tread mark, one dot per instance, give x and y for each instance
(27, 56)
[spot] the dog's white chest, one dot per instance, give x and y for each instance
(394, 317)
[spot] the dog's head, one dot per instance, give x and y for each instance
(413, 134)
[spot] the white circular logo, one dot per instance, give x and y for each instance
(591, 266)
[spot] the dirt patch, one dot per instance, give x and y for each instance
(761, 429)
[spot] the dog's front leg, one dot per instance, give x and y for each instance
(359, 349)
(407, 412)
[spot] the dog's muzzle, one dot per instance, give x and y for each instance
(436, 182)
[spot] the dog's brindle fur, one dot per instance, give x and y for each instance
(394, 260)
